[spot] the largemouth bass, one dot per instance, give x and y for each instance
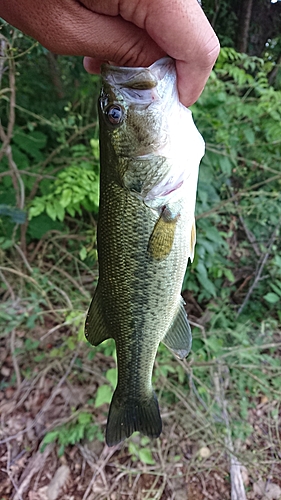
(150, 151)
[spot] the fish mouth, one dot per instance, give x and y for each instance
(141, 85)
(126, 75)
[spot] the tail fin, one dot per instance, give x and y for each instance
(126, 417)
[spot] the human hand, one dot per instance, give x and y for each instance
(125, 32)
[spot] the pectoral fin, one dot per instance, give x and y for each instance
(179, 337)
(95, 327)
(162, 238)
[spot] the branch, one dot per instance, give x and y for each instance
(260, 267)
(221, 383)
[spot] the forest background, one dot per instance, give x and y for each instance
(221, 407)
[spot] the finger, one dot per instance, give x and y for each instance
(67, 27)
(180, 28)
(190, 40)
(92, 65)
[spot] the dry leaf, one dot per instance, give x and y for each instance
(59, 480)
(268, 491)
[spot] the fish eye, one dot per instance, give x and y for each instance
(114, 114)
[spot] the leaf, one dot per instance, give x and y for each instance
(37, 208)
(268, 490)
(249, 135)
(204, 280)
(31, 143)
(277, 260)
(272, 298)
(50, 437)
(83, 253)
(57, 483)
(111, 376)
(41, 224)
(84, 418)
(104, 395)
(276, 287)
(215, 344)
(66, 198)
(229, 275)
(59, 210)
(146, 457)
(50, 209)
(225, 165)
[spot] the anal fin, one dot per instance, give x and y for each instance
(179, 337)
(95, 327)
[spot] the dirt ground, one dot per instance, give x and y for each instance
(189, 461)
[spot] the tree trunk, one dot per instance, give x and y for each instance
(244, 25)
(265, 25)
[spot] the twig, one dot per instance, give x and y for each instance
(67, 275)
(9, 472)
(46, 405)
(11, 291)
(237, 487)
(18, 183)
(31, 280)
(105, 457)
(249, 235)
(242, 192)
(35, 465)
(54, 329)
(15, 362)
(253, 163)
(56, 152)
(19, 250)
(260, 267)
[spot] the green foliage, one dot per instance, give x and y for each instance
(75, 188)
(105, 391)
(239, 116)
(141, 451)
(55, 149)
(82, 428)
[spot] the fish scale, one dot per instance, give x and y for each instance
(145, 236)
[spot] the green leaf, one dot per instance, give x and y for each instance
(225, 165)
(146, 456)
(59, 210)
(272, 298)
(111, 376)
(229, 275)
(66, 198)
(37, 208)
(85, 418)
(276, 287)
(249, 135)
(51, 211)
(50, 437)
(31, 143)
(104, 395)
(41, 224)
(83, 253)
(204, 280)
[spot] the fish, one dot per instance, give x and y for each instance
(150, 150)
